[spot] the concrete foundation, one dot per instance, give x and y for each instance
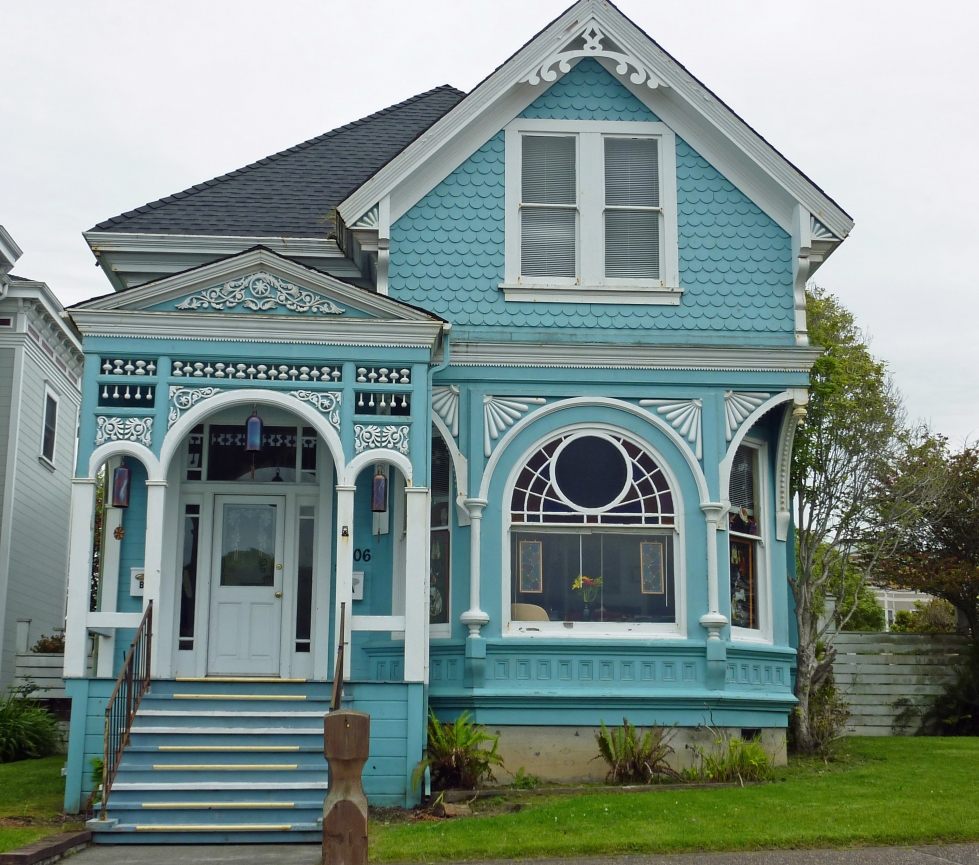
(570, 754)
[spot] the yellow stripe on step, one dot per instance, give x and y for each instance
(228, 748)
(201, 805)
(216, 827)
(241, 679)
(224, 767)
(239, 696)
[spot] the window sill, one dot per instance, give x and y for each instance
(594, 630)
(621, 293)
(750, 635)
(44, 461)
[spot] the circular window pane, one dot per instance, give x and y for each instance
(591, 472)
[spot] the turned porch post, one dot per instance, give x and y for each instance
(79, 575)
(345, 567)
(417, 576)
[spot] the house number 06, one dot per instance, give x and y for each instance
(363, 555)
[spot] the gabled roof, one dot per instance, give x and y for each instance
(597, 28)
(291, 193)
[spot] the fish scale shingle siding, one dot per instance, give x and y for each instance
(447, 252)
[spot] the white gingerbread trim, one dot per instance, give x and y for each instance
(502, 412)
(592, 38)
(445, 403)
(791, 421)
(183, 398)
(327, 402)
(381, 437)
(261, 292)
(131, 429)
(738, 405)
(685, 416)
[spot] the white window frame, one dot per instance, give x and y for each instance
(598, 630)
(763, 517)
(53, 394)
(443, 630)
(590, 284)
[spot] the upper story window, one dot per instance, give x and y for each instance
(49, 434)
(746, 524)
(592, 539)
(591, 212)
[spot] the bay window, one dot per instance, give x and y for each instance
(746, 521)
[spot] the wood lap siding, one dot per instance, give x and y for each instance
(6, 388)
(874, 670)
(39, 536)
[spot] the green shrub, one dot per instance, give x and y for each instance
(53, 645)
(456, 756)
(26, 729)
(954, 712)
(731, 759)
(524, 781)
(935, 617)
(828, 713)
(635, 756)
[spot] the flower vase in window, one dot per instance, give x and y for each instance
(590, 589)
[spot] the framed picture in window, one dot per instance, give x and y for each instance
(531, 568)
(651, 568)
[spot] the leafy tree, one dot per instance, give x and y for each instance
(939, 552)
(859, 478)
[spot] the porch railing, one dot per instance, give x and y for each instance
(132, 684)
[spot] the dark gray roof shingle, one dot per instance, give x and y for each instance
(292, 193)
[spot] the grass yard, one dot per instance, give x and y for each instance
(32, 795)
(879, 791)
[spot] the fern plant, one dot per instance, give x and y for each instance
(636, 756)
(456, 754)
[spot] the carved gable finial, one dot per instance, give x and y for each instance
(592, 41)
(261, 292)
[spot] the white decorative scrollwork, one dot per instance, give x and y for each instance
(590, 41)
(737, 406)
(327, 402)
(368, 220)
(183, 398)
(260, 292)
(126, 429)
(684, 415)
(500, 412)
(372, 436)
(794, 416)
(818, 231)
(445, 403)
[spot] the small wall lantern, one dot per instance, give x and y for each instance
(379, 491)
(253, 432)
(120, 486)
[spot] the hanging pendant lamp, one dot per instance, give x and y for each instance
(379, 491)
(253, 432)
(120, 486)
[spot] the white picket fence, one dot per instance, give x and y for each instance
(873, 670)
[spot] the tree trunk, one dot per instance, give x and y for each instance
(805, 668)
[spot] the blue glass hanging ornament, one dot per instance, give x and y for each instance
(120, 486)
(253, 432)
(379, 491)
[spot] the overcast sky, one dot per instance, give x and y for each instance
(107, 105)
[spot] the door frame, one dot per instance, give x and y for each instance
(280, 502)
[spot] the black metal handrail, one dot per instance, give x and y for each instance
(132, 684)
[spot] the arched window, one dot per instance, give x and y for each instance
(592, 533)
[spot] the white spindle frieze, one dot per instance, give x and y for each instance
(128, 366)
(383, 375)
(257, 372)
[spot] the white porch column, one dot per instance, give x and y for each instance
(156, 494)
(714, 620)
(474, 617)
(345, 567)
(417, 575)
(79, 575)
(109, 590)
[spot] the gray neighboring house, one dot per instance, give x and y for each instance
(40, 390)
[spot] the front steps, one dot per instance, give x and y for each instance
(222, 761)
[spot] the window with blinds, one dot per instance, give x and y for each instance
(632, 208)
(548, 206)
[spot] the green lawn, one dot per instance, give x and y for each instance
(32, 794)
(880, 791)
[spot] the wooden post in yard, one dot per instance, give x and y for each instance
(346, 745)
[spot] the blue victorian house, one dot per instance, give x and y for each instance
(510, 377)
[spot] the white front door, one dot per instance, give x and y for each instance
(246, 586)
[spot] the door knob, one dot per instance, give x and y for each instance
(278, 567)
(278, 594)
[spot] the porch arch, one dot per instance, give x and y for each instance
(105, 452)
(249, 396)
(376, 455)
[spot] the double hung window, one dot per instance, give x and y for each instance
(591, 212)
(49, 434)
(745, 530)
